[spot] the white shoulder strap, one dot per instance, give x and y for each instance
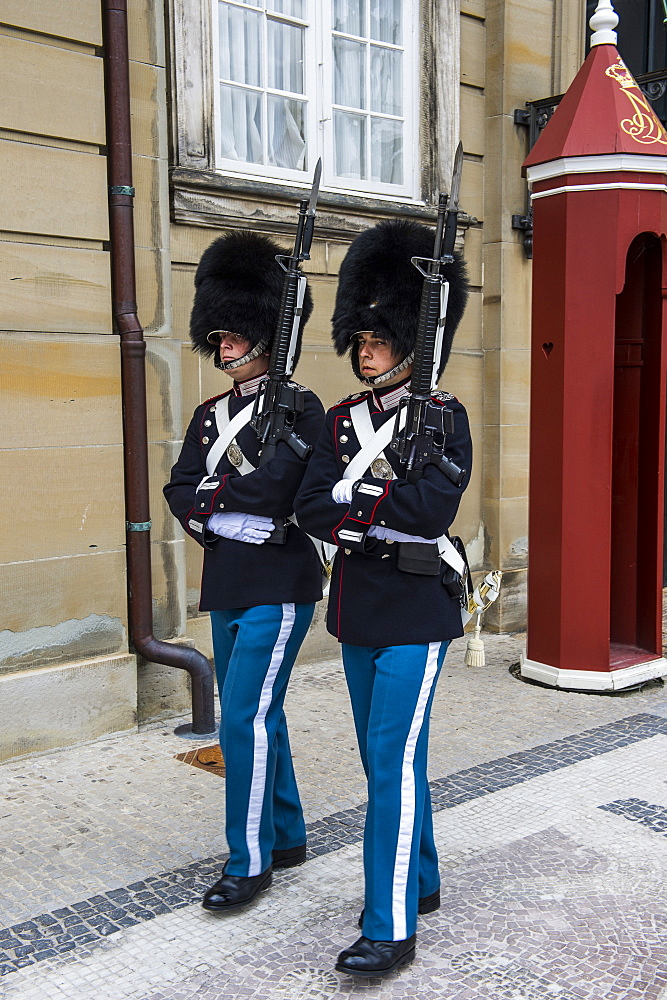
(449, 555)
(227, 431)
(372, 442)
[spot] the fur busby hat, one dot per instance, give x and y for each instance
(379, 289)
(238, 287)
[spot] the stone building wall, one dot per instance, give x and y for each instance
(66, 672)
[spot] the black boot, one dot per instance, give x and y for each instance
(290, 857)
(427, 904)
(233, 891)
(375, 958)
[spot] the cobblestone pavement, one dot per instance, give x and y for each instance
(551, 821)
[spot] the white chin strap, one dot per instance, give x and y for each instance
(373, 380)
(227, 366)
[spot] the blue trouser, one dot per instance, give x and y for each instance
(255, 650)
(391, 690)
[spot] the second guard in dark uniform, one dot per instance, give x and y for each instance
(394, 624)
(261, 596)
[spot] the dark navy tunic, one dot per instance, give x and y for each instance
(239, 574)
(372, 602)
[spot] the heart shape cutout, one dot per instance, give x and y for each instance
(547, 348)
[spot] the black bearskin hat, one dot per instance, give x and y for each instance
(380, 290)
(238, 287)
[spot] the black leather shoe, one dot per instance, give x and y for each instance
(375, 958)
(427, 904)
(290, 857)
(233, 891)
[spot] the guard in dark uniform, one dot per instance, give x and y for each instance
(261, 595)
(394, 625)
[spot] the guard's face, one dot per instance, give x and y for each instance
(234, 346)
(377, 356)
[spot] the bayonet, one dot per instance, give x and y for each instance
(456, 179)
(310, 211)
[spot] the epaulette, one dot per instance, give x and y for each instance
(352, 397)
(295, 385)
(444, 397)
(214, 399)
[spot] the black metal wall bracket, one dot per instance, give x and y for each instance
(525, 224)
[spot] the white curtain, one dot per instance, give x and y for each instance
(351, 131)
(349, 73)
(286, 117)
(386, 21)
(251, 118)
(240, 35)
(287, 146)
(241, 124)
(386, 151)
(350, 145)
(386, 81)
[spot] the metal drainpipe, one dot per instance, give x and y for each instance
(133, 377)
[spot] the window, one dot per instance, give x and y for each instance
(298, 79)
(642, 38)
(262, 108)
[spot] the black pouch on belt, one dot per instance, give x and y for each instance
(279, 534)
(418, 558)
(455, 584)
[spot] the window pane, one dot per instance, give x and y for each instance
(285, 47)
(292, 8)
(386, 21)
(386, 81)
(349, 73)
(350, 16)
(286, 125)
(240, 45)
(350, 145)
(386, 151)
(241, 124)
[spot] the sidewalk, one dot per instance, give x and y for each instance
(551, 821)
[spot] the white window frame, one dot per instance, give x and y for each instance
(318, 63)
(265, 171)
(205, 194)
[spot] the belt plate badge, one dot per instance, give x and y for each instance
(381, 469)
(234, 454)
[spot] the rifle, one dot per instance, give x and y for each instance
(419, 439)
(282, 403)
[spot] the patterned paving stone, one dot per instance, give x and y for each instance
(652, 816)
(550, 889)
(87, 921)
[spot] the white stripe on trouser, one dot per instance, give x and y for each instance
(407, 818)
(261, 743)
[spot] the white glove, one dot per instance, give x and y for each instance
(376, 531)
(252, 528)
(342, 491)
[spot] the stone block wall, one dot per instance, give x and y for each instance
(66, 671)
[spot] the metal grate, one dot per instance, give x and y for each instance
(207, 758)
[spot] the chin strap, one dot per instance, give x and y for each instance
(227, 366)
(373, 380)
